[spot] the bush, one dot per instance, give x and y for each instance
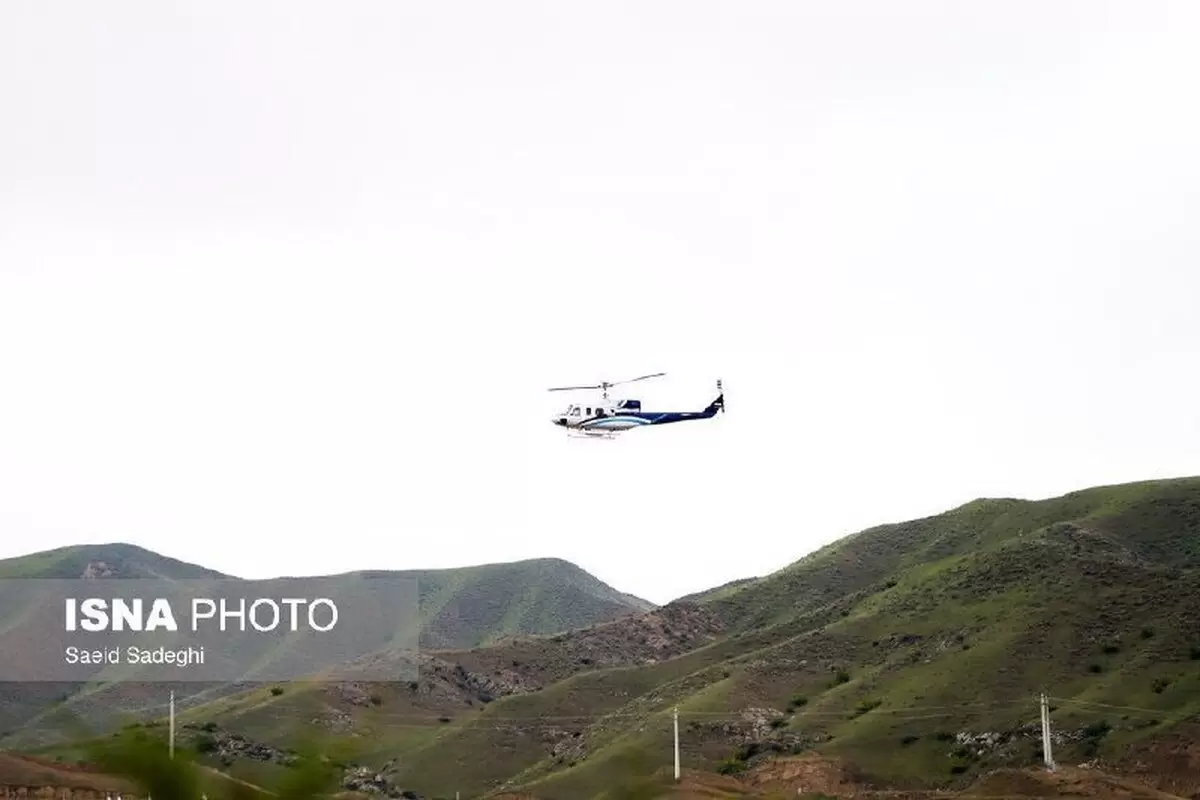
(1195, 654)
(1092, 735)
(841, 677)
(866, 705)
(731, 766)
(1160, 684)
(748, 751)
(1112, 649)
(910, 739)
(1095, 668)
(206, 743)
(276, 691)
(1147, 633)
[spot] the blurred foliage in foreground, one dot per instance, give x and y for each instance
(635, 778)
(142, 757)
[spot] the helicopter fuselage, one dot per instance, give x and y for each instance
(626, 415)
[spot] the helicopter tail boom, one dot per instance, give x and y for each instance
(715, 406)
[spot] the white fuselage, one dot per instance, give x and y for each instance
(602, 416)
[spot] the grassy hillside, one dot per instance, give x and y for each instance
(473, 606)
(915, 652)
(115, 560)
(459, 608)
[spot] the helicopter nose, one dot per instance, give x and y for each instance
(559, 421)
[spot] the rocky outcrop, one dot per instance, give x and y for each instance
(365, 780)
(212, 740)
(98, 569)
(533, 662)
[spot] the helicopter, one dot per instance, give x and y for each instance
(606, 418)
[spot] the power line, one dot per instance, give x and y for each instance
(1137, 709)
(952, 710)
(912, 713)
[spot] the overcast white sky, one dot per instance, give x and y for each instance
(282, 284)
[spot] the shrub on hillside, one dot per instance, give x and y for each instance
(731, 766)
(866, 705)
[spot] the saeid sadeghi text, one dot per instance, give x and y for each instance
(180, 657)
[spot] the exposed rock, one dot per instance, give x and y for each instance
(98, 569)
(362, 779)
(353, 693)
(335, 720)
(231, 746)
(760, 720)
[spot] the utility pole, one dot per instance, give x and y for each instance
(172, 725)
(1047, 751)
(676, 715)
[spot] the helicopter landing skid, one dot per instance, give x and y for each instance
(606, 435)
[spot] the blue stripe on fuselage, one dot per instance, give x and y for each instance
(646, 418)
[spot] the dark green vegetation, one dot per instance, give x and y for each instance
(914, 651)
(464, 607)
(140, 756)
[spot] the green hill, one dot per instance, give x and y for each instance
(116, 560)
(459, 608)
(914, 651)
(472, 606)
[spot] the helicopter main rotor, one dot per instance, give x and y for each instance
(604, 386)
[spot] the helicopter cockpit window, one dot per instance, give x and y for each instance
(574, 411)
